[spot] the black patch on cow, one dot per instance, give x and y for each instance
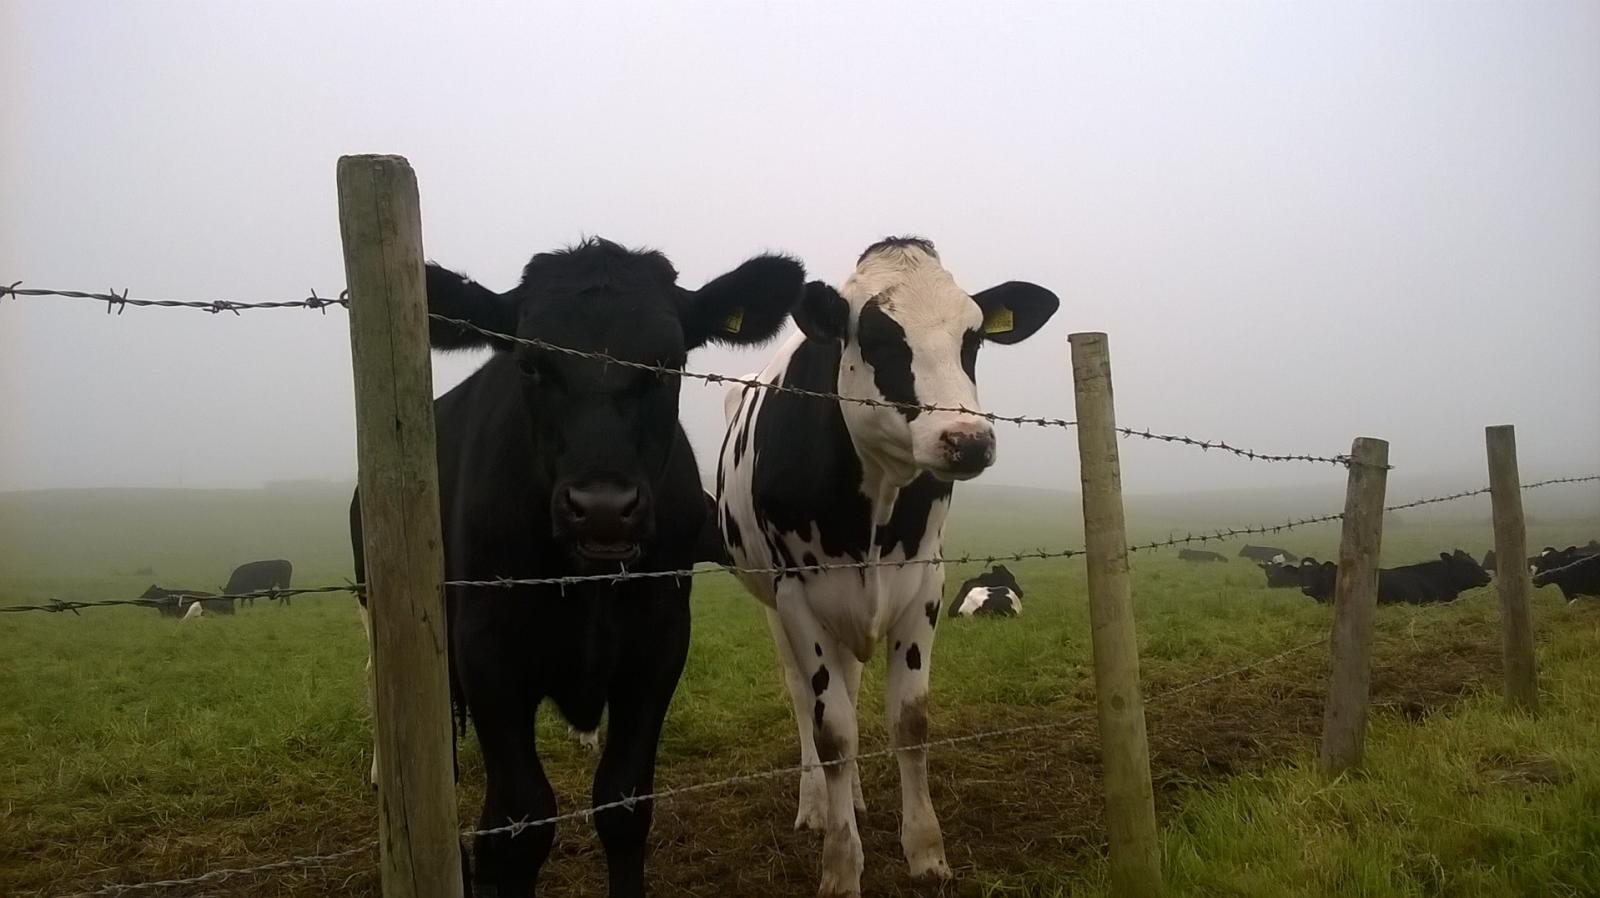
(816, 713)
(883, 346)
(908, 523)
(730, 529)
(819, 680)
(913, 657)
(809, 560)
(932, 611)
(897, 645)
(898, 243)
(818, 647)
(970, 341)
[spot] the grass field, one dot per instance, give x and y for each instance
(142, 748)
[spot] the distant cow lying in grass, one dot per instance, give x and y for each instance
(1200, 555)
(183, 602)
(994, 593)
(1267, 553)
(1414, 584)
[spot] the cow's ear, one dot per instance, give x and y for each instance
(458, 296)
(823, 315)
(1015, 310)
(746, 305)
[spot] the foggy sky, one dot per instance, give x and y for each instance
(1298, 223)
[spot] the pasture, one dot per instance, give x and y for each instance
(141, 748)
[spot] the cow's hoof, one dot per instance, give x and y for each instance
(932, 870)
(589, 740)
(842, 860)
(812, 817)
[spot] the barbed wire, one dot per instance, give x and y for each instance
(1264, 529)
(629, 803)
(119, 302)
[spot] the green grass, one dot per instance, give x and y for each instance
(139, 747)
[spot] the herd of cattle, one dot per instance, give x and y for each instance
(251, 577)
(831, 497)
(1575, 570)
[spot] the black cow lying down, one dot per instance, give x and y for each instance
(993, 593)
(553, 465)
(1200, 555)
(1573, 569)
(1413, 584)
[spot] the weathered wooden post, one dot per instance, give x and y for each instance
(381, 223)
(1511, 568)
(1130, 800)
(1344, 722)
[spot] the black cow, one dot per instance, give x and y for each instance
(553, 465)
(1200, 555)
(993, 593)
(175, 602)
(1282, 576)
(255, 576)
(1575, 570)
(1267, 553)
(1413, 584)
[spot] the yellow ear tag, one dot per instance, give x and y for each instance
(998, 321)
(733, 322)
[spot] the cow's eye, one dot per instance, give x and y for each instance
(530, 369)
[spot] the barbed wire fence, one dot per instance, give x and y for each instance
(119, 302)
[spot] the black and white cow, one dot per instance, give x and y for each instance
(1575, 570)
(1281, 575)
(553, 465)
(993, 593)
(1200, 555)
(803, 480)
(184, 603)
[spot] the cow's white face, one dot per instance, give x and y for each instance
(911, 336)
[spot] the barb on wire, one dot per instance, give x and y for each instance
(55, 606)
(118, 302)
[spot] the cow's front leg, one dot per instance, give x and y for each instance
(911, 652)
(813, 802)
(824, 663)
(516, 789)
(636, 707)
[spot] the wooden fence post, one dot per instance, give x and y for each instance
(1125, 755)
(381, 224)
(1511, 568)
(1344, 722)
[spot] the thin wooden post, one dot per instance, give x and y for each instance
(381, 223)
(1344, 722)
(1125, 755)
(1511, 568)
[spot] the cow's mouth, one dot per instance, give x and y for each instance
(607, 551)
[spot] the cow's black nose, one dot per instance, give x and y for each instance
(967, 451)
(606, 519)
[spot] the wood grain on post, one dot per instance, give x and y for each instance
(381, 223)
(1344, 722)
(1130, 801)
(1511, 568)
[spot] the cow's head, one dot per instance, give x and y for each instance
(602, 432)
(908, 334)
(1463, 570)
